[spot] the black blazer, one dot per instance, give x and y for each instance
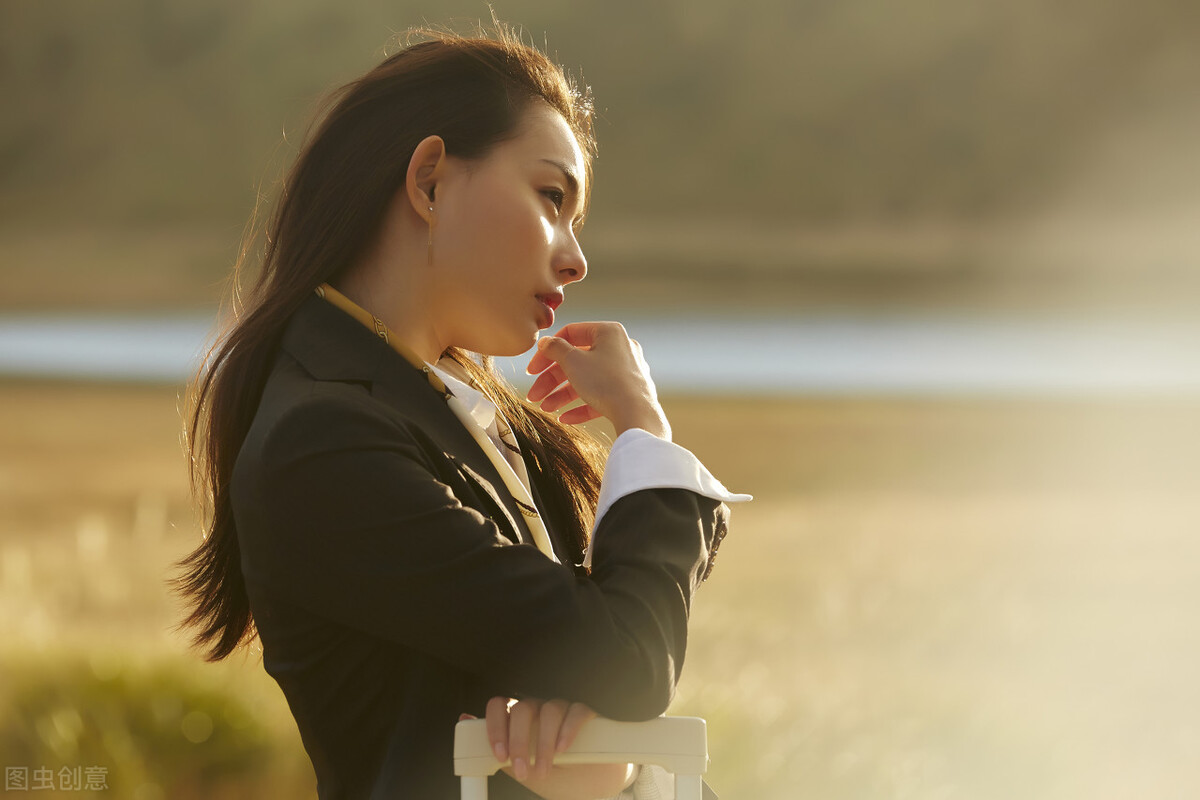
(394, 584)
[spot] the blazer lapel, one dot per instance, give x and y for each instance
(488, 489)
(331, 345)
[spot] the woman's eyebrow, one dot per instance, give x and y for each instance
(572, 181)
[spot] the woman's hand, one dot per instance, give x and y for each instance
(598, 363)
(531, 732)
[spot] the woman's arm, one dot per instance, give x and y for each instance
(349, 516)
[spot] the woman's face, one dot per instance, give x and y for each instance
(504, 241)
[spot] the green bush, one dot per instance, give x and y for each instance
(155, 729)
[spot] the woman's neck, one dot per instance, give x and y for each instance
(402, 306)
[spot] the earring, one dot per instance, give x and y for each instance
(429, 246)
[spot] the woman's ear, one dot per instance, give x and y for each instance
(425, 169)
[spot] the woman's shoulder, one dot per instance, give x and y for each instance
(298, 409)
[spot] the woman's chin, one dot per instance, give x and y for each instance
(508, 346)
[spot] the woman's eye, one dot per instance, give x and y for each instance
(556, 196)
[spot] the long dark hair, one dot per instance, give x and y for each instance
(471, 91)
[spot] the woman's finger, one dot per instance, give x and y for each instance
(497, 727)
(579, 415)
(552, 716)
(547, 382)
(581, 335)
(522, 733)
(576, 717)
(550, 351)
(540, 361)
(586, 334)
(559, 398)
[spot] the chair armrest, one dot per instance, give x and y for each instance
(677, 744)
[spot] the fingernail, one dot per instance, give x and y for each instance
(461, 717)
(542, 342)
(501, 751)
(520, 768)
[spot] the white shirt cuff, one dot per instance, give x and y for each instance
(640, 460)
(652, 783)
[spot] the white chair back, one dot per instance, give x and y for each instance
(677, 744)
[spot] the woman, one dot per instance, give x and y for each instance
(408, 538)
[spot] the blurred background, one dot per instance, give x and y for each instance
(921, 277)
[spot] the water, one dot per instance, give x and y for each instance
(102, 347)
(898, 354)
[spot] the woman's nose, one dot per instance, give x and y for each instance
(571, 264)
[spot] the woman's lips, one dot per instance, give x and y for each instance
(546, 318)
(549, 302)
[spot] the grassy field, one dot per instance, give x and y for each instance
(928, 598)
